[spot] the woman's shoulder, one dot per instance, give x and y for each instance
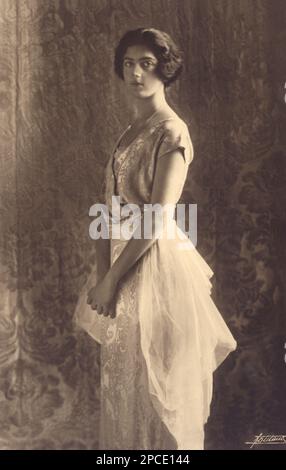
(171, 127)
(171, 122)
(173, 133)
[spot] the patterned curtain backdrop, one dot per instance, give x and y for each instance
(61, 107)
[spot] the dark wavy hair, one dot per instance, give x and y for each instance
(169, 56)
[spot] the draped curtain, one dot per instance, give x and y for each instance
(61, 107)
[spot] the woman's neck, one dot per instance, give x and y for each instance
(143, 109)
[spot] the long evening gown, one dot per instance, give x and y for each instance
(159, 353)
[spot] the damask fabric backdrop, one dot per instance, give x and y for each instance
(61, 108)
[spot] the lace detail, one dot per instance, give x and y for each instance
(118, 159)
(128, 417)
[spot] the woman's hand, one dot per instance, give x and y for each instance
(101, 297)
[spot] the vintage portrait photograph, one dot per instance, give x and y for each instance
(142, 226)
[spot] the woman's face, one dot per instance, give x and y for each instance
(139, 65)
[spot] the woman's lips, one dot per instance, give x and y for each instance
(137, 84)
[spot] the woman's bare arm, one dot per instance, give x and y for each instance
(102, 256)
(168, 184)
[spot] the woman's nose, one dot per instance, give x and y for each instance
(137, 70)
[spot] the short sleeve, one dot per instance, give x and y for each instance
(175, 136)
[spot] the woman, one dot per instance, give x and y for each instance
(151, 310)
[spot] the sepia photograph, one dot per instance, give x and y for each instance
(142, 227)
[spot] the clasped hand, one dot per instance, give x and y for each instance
(101, 297)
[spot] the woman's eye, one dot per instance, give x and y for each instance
(148, 64)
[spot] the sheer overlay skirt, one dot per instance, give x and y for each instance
(159, 353)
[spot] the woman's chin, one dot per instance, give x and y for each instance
(137, 89)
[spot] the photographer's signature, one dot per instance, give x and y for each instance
(268, 439)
